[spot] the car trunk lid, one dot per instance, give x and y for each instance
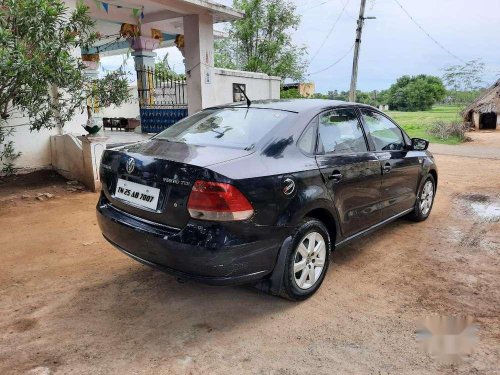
(152, 180)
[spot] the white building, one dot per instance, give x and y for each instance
(160, 24)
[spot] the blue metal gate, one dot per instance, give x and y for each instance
(162, 99)
(154, 120)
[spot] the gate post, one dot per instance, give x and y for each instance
(144, 61)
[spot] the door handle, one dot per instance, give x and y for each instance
(336, 176)
(387, 168)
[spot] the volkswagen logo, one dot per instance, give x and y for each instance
(130, 165)
(288, 187)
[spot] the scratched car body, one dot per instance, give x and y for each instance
(262, 193)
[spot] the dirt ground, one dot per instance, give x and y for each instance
(71, 303)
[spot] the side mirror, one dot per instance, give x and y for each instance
(419, 144)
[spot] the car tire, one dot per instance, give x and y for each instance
(307, 260)
(425, 200)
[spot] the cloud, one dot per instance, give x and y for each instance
(392, 45)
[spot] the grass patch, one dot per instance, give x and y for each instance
(418, 124)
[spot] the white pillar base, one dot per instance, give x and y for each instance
(92, 149)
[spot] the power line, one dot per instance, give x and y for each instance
(429, 35)
(330, 31)
(335, 63)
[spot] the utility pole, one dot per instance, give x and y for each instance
(359, 30)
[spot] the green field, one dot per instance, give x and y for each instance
(417, 123)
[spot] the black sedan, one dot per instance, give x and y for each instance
(263, 193)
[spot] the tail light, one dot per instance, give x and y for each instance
(218, 201)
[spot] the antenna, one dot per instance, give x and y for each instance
(249, 102)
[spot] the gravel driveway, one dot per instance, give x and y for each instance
(70, 303)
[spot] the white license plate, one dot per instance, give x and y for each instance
(138, 194)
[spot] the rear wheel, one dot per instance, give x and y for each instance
(425, 200)
(307, 260)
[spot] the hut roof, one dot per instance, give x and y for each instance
(488, 101)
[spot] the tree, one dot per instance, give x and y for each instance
(112, 89)
(373, 98)
(465, 77)
(416, 93)
(464, 81)
(162, 67)
(318, 95)
(40, 75)
(261, 42)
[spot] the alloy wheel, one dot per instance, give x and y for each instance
(427, 197)
(309, 260)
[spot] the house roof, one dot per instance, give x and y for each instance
(165, 15)
(221, 13)
(488, 101)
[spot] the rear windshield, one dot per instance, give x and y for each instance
(227, 127)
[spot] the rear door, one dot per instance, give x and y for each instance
(400, 166)
(351, 172)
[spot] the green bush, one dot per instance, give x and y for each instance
(290, 94)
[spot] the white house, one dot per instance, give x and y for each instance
(187, 24)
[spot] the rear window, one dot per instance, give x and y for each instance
(227, 127)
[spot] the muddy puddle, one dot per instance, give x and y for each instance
(484, 207)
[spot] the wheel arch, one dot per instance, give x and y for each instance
(273, 283)
(326, 217)
(434, 174)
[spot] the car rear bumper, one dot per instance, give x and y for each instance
(212, 253)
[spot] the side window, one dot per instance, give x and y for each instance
(384, 133)
(340, 132)
(307, 140)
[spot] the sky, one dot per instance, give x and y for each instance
(392, 44)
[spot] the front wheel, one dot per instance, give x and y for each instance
(307, 260)
(425, 200)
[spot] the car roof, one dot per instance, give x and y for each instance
(294, 105)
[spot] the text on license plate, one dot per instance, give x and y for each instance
(137, 194)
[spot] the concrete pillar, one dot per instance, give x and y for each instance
(144, 61)
(143, 54)
(199, 61)
(144, 66)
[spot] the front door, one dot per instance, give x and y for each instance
(351, 172)
(400, 166)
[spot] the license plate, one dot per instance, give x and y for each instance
(137, 194)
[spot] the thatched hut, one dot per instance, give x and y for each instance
(484, 112)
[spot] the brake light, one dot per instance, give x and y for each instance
(218, 201)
